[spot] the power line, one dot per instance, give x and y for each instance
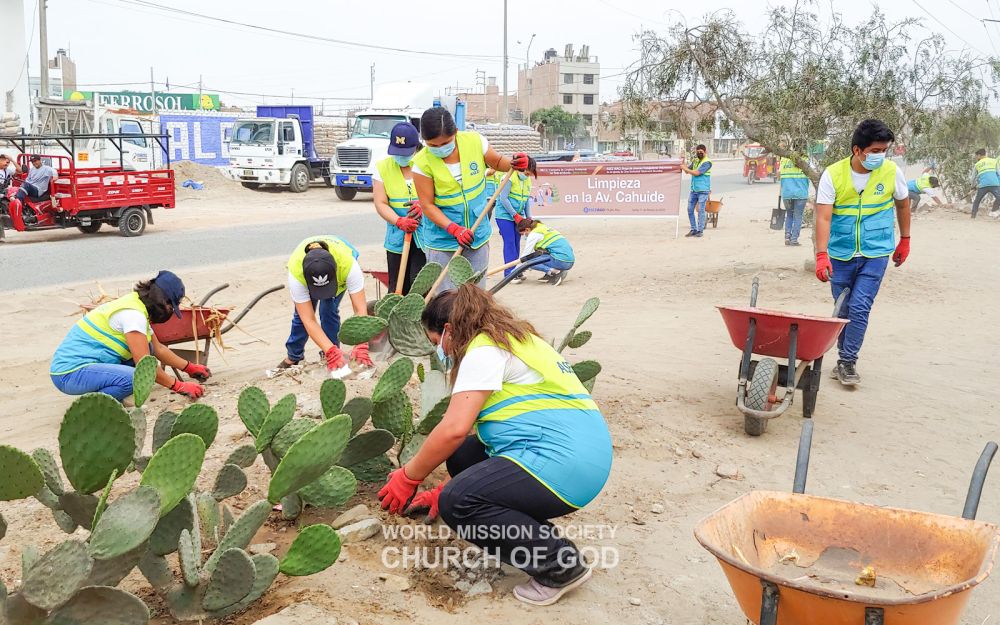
(31, 40)
(963, 10)
(943, 25)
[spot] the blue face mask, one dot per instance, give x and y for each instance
(445, 359)
(402, 161)
(522, 177)
(873, 160)
(442, 151)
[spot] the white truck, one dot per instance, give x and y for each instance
(353, 162)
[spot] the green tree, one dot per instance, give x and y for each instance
(808, 78)
(950, 141)
(558, 122)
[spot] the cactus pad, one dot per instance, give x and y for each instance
(21, 475)
(162, 428)
(394, 414)
(310, 457)
(50, 469)
(200, 419)
(410, 307)
(47, 499)
(332, 395)
(315, 549)
(386, 304)
(408, 336)
(291, 506)
(80, 508)
(138, 419)
(589, 385)
(361, 329)
(359, 409)
(102, 503)
(460, 270)
(168, 530)
(253, 408)
(100, 604)
(3, 532)
(143, 378)
(478, 276)
(332, 489)
(372, 471)
(243, 457)
(280, 415)
(292, 432)
(231, 580)
(64, 521)
(580, 339)
(207, 510)
(365, 446)
(411, 448)
(426, 278)
(393, 379)
(589, 308)
(156, 571)
(112, 572)
(174, 468)
(429, 422)
(266, 570)
(241, 532)
(587, 370)
(126, 524)
(95, 438)
(230, 482)
(189, 556)
(56, 576)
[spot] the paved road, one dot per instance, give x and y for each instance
(93, 257)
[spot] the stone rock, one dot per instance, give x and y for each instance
(300, 613)
(657, 508)
(635, 601)
(463, 585)
(745, 269)
(482, 587)
(397, 583)
(355, 514)
(357, 532)
(727, 471)
(262, 548)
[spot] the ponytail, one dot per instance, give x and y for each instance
(527, 224)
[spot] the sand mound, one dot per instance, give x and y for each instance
(215, 184)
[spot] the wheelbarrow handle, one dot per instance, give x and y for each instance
(978, 478)
(231, 323)
(518, 271)
(802, 459)
(753, 292)
(209, 295)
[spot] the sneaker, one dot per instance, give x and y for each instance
(545, 278)
(518, 280)
(691, 234)
(534, 593)
(787, 242)
(700, 233)
(846, 373)
(287, 364)
(558, 278)
(794, 244)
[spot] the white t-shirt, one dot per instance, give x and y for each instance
(486, 368)
(300, 292)
(7, 173)
(529, 241)
(128, 320)
(455, 169)
(826, 194)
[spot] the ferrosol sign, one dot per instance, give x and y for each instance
(144, 101)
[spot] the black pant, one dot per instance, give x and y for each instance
(498, 506)
(983, 192)
(914, 201)
(414, 263)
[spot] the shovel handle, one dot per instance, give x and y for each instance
(407, 241)
(496, 270)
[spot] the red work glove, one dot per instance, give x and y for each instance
(198, 372)
(398, 491)
(823, 267)
(518, 218)
(415, 212)
(360, 353)
(190, 389)
(902, 251)
(426, 501)
(519, 161)
(407, 224)
(334, 358)
(464, 236)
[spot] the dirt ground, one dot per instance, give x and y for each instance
(908, 436)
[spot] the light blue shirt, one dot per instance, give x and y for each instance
(39, 177)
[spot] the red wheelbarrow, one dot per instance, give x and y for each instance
(803, 339)
(796, 559)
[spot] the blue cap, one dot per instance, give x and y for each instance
(404, 139)
(172, 288)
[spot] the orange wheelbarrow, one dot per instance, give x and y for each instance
(796, 559)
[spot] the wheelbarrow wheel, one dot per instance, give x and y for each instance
(760, 390)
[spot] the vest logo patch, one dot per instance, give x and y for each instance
(321, 280)
(879, 189)
(474, 168)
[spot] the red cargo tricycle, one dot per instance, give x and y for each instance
(803, 339)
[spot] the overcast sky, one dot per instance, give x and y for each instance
(117, 41)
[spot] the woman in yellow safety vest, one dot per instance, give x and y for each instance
(450, 177)
(396, 203)
(512, 205)
(100, 351)
(539, 237)
(540, 447)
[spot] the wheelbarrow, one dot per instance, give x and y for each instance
(796, 559)
(712, 209)
(803, 339)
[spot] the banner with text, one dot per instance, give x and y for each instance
(607, 189)
(198, 138)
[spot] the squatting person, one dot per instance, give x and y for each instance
(539, 237)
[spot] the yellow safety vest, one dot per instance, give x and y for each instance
(399, 192)
(862, 224)
(92, 340)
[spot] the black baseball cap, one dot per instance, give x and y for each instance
(320, 271)
(172, 288)
(403, 139)
(35, 157)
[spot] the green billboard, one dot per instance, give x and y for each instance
(146, 102)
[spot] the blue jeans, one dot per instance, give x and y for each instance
(793, 218)
(511, 242)
(864, 277)
(697, 198)
(115, 380)
(552, 263)
(329, 320)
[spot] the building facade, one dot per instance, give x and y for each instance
(572, 81)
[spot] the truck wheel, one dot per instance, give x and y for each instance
(346, 193)
(91, 229)
(761, 388)
(253, 186)
(132, 222)
(328, 180)
(299, 181)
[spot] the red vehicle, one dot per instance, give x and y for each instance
(87, 197)
(759, 164)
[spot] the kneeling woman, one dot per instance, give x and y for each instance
(541, 448)
(541, 238)
(100, 351)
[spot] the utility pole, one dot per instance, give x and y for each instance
(43, 48)
(293, 95)
(199, 91)
(527, 85)
(152, 89)
(371, 90)
(506, 109)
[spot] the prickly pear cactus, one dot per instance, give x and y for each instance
(587, 370)
(57, 575)
(241, 532)
(167, 532)
(310, 457)
(407, 335)
(372, 471)
(315, 549)
(332, 489)
(21, 475)
(102, 502)
(460, 270)
(230, 482)
(359, 409)
(394, 414)
(365, 446)
(231, 581)
(174, 468)
(101, 604)
(411, 307)
(81, 508)
(127, 523)
(143, 378)
(243, 456)
(432, 418)
(280, 415)
(163, 428)
(425, 279)
(580, 339)
(393, 379)
(200, 419)
(96, 437)
(576, 339)
(332, 394)
(386, 304)
(253, 408)
(290, 434)
(361, 329)
(50, 469)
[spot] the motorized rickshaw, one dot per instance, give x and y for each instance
(759, 163)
